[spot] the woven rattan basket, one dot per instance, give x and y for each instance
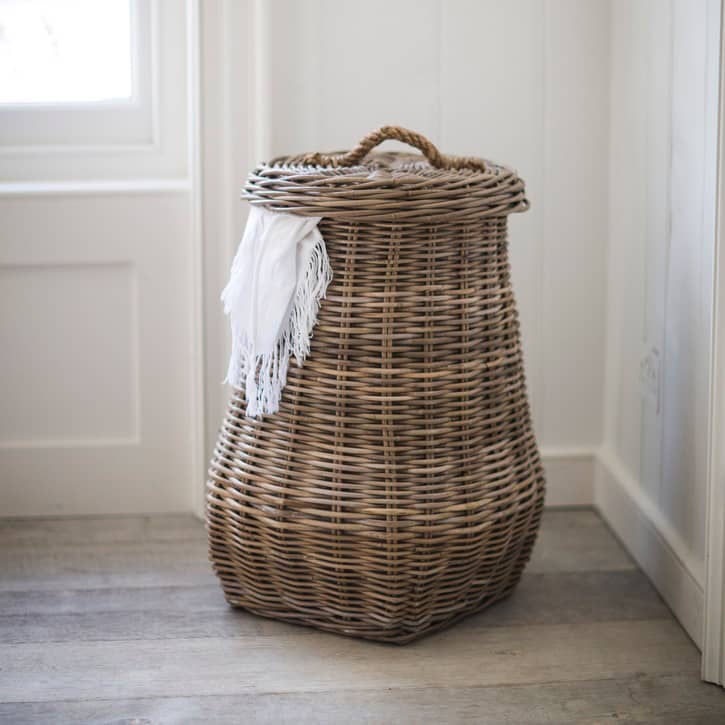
(399, 487)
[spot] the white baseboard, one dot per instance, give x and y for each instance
(569, 476)
(656, 547)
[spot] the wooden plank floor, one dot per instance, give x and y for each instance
(120, 620)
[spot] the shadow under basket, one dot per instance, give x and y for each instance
(399, 487)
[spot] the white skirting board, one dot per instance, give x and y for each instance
(655, 546)
(569, 476)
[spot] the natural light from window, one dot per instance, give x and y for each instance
(65, 51)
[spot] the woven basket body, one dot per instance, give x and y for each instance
(399, 486)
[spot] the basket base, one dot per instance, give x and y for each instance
(371, 633)
(401, 629)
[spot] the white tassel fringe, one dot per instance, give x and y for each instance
(262, 377)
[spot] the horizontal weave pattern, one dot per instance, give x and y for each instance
(399, 486)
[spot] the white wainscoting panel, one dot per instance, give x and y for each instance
(67, 330)
(98, 354)
(652, 482)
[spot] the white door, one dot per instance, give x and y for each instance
(98, 318)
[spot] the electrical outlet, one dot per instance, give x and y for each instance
(649, 376)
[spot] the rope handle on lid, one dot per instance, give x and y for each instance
(396, 133)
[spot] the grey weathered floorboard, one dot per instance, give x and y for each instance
(668, 699)
(111, 620)
(577, 541)
(205, 597)
(183, 612)
(107, 552)
(130, 564)
(171, 551)
(48, 533)
(457, 657)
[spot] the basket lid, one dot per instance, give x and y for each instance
(393, 187)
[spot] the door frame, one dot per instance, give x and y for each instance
(230, 141)
(713, 653)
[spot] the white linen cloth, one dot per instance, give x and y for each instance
(279, 275)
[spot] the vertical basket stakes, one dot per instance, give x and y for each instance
(399, 487)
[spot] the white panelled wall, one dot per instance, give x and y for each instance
(522, 82)
(651, 477)
(100, 294)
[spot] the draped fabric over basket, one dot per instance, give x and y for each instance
(279, 275)
(399, 486)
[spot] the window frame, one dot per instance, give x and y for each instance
(140, 137)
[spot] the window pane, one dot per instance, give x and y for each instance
(65, 51)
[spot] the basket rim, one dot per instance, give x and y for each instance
(390, 186)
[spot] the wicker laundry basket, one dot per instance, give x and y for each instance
(399, 487)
